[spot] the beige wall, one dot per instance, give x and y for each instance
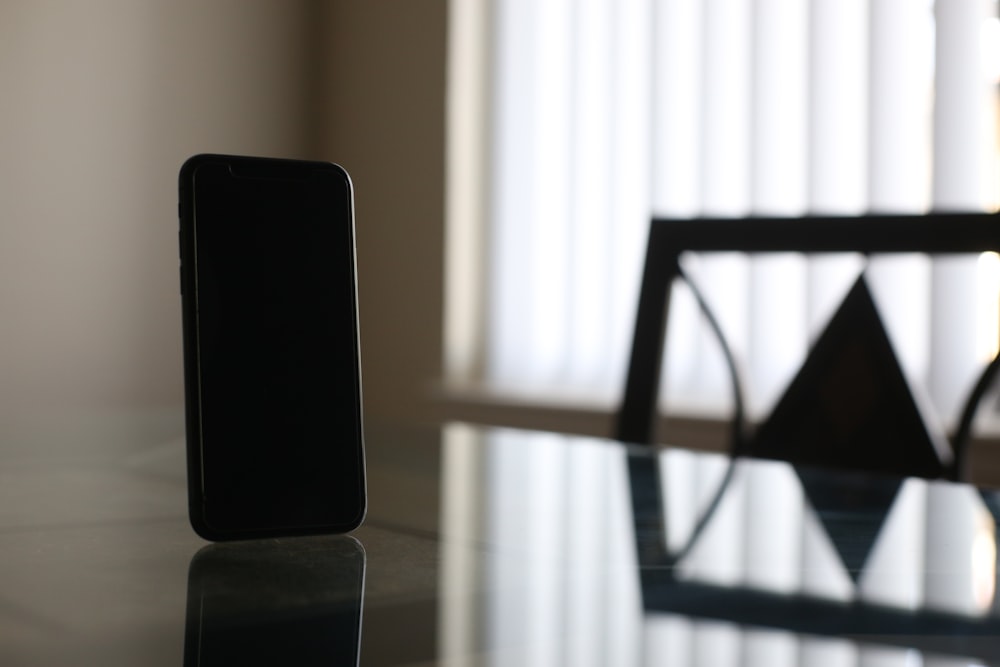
(383, 88)
(101, 101)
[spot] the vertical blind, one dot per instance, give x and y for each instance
(605, 112)
(598, 114)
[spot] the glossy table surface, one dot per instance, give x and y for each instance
(490, 546)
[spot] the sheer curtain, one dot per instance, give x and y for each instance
(596, 114)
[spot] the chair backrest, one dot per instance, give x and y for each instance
(932, 234)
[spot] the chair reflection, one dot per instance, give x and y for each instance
(804, 551)
(601, 554)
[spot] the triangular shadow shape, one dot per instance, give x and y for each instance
(851, 406)
(852, 510)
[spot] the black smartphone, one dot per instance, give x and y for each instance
(271, 347)
(294, 601)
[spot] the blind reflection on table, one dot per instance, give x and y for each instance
(568, 581)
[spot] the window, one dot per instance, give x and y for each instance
(572, 121)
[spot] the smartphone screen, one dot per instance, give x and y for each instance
(272, 371)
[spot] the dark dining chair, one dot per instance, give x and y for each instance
(873, 430)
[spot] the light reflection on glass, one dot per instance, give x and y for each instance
(893, 572)
(682, 642)
(954, 574)
(540, 565)
(765, 535)
(984, 562)
(991, 48)
(559, 576)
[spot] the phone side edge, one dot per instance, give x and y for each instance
(192, 414)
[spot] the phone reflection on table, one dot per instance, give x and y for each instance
(269, 602)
